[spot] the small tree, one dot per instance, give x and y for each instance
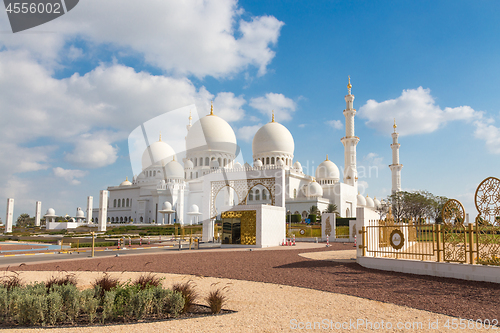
(24, 220)
(332, 208)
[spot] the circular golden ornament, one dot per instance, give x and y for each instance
(487, 200)
(397, 239)
(453, 213)
(302, 232)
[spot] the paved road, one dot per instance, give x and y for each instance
(37, 258)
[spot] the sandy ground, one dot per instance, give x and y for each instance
(265, 307)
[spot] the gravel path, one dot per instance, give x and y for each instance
(458, 298)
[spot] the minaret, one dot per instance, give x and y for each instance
(188, 126)
(350, 141)
(395, 166)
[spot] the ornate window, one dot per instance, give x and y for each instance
(257, 195)
(250, 195)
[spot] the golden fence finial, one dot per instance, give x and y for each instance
(327, 157)
(272, 120)
(212, 108)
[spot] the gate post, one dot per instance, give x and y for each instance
(363, 241)
(438, 238)
(471, 243)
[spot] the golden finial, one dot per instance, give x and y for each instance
(126, 179)
(190, 118)
(212, 108)
(349, 85)
(395, 126)
(273, 117)
(173, 158)
(327, 157)
(160, 137)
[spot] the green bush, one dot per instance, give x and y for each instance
(343, 221)
(295, 218)
(312, 218)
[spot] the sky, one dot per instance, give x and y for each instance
(72, 90)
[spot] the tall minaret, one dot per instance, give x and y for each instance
(395, 166)
(350, 141)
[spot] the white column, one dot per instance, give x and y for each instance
(10, 215)
(90, 203)
(395, 166)
(38, 213)
(350, 141)
(103, 210)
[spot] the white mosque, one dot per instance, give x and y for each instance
(167, 190)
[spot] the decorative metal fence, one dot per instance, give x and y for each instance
(452, 241)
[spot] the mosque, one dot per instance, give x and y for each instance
(167, 190)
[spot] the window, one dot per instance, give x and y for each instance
(127, 202)
(125, 219)
(207, 161)
(220, 161)
(250, 195)
(195, 162)
(142, 219)
(272, 160)
(264, 195)
(225, 162)
(267, 160)
(97, 220)
(257, 195)
(347, 213)
(201, 161)
(119, 201)
(123, 202)
(114, 203)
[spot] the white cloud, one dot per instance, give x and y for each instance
(283, 106)
(489, 133)
(17, 159)
(246, 133)
(184, 37)
(415, 111)
(302, 125)
(93, 152)
(228, 107)
(336, 124)
(69, 175)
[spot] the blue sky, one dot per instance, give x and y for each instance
(72, 90)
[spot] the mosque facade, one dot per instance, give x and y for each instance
(169, 190)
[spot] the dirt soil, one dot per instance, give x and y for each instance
(453, 297)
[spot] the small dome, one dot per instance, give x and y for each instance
(157, 153)
(327, 170)
(211, 133)
(188, 164)
(79, 212)
(280, 162)
(297, 166)
(247, 165)
(214, 164)
(194, 209)
(377, 203)
(50, 211)
(361, 201)
(257, 163)
(237, 165)
(167, 206)
(174, 169)
(126, 182)
(273, 138)
(314, 190)
(369, 202)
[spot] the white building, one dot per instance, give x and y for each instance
(211, 146)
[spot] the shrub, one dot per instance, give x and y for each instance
(167, 302)
(54, 308)
(216, 300)
(10, 282)
(147, 281)
(187, 291)
(89, 304)
(108, 301)
(32, 309)
(312, 218)
(70, 300)
(59, 281)
(103, 284)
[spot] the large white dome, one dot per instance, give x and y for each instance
(157, 153)
(211, 133)
(327, 170)
(174, 169)
(314, 190)
(273, 138)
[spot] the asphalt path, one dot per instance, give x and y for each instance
(13, 261)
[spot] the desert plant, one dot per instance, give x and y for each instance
(89, 304)
(166, 301)
(188, 292)
(147, 281)
(70, 300)
(216, 299)
(54, 306)
(11, 281)
(59, 281)
(32, 309)
(103, 284)
(108, 301)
